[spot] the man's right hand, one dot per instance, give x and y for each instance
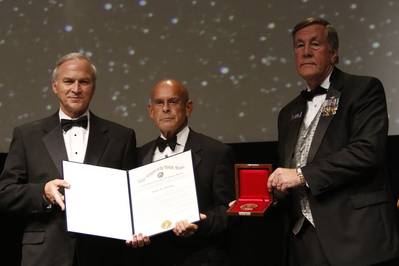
(52, 193)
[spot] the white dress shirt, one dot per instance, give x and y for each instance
(315, 104)
(181, 143)
(76, 139)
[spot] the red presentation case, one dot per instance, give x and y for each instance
(252, 195)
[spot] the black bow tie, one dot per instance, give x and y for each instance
(67, 124)
(162, 143)
(308, 95)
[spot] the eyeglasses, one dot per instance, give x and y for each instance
(169, 102)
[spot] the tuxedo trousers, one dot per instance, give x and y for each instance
(305, 248)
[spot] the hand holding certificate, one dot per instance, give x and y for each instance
(117, 204)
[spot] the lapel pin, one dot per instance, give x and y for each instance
(296, 116)
(330, 106)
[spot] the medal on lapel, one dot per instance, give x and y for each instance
(330, 106)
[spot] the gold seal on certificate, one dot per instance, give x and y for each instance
(249, 206)
(166, 224)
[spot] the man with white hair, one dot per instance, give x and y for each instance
(31, 185)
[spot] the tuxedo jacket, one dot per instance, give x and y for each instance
(213, 164)
(35, 157)
(346, 175)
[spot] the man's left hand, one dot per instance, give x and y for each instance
(138, 241)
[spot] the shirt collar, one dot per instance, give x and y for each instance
(62, 115)
(182, 136)
(325, 84)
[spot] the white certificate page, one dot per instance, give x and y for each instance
(97, 202)
(163, 193)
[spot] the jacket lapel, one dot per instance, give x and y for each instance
(297, 115)
(332, 98)
(98, 140)
(195, 147)
(149, 154)
(54, 142)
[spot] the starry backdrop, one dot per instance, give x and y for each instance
(234, 56)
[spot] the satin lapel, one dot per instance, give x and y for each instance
(54, 142)
(323, 124)
(147, 158)
(98, 140)
(195, 147)
(296, 118)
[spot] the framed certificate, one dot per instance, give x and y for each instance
(116, 203)
(252, 195)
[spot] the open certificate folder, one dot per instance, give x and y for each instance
(115, 203)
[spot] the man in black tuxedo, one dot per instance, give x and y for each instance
(332, 141)
(31, 185)
(189, 244)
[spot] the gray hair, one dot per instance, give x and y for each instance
(72, 56)
(332, 34)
